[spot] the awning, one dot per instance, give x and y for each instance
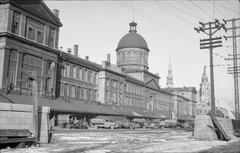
(76, 106)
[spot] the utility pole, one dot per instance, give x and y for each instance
(210, 28)
(235, 69)
(33, 78)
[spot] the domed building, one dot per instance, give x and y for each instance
(129, 83)
(132, 55)
(132, 51)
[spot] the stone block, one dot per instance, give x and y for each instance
(201, 129)
(19, 116)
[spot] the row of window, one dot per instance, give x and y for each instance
(130, 101)
(34, 30)
(162, 107)
(79, 73)
(132, 56)
(133, 88)
(114, 84)
(77, 92)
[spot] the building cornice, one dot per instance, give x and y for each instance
(28, 42)
(79, 61)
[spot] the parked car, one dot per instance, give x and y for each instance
(129, 125)
(154, 125)
(146, 124)
(171, 123)
(80, 124)
(65, 121)
(103, 123)
(70, 121)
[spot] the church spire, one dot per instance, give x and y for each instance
(170, 76)
(204, 93)
(204, 76)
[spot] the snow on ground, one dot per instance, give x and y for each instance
(121, 141)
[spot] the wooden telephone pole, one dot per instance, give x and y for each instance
(235, 69)
(210, 29)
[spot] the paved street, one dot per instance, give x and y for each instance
(122, 141)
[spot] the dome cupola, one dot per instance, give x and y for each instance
(132, 39)
(132, 50)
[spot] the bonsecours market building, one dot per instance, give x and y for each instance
(29, 35)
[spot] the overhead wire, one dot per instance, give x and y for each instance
(221, 56)
(226, 8)
(192, 13)
(220, 12)
(205, 13)
(157, 22)
(183, 12)
(213, 10)
(176, 15)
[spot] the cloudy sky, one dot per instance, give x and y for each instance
(167, 26)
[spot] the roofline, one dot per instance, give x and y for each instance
(13, 2)
(118, 48)
(79, 61)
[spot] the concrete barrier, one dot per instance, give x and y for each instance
(19, 116)
(201, 129)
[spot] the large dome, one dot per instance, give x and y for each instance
(132, 39)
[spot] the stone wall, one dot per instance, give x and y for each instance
(19, 116)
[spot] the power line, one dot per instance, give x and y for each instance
(228, 9)
(220, 56)
(206, 14)
(171, 10)
(183, 12)
(213, 9)
(156, 22)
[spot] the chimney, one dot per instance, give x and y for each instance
(69, 50)
(108, 58)
(75, 49)
(87, 57)
(56, 12)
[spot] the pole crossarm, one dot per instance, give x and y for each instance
(210, 46)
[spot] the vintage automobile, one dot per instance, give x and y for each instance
(103, 123)
(140, 122)
(129, 125)
(171, 123)
(154, 125)
(80, 124)
(70, 121)
(65, 121)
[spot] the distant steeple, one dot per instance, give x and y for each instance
(170, 76)
(204, 76)
(204, 93)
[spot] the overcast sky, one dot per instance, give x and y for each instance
(167, 26)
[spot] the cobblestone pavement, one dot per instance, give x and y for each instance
(123, 141)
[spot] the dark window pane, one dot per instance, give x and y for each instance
(39, 37)
(51, 37)
(30, 33)
(16, 22)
